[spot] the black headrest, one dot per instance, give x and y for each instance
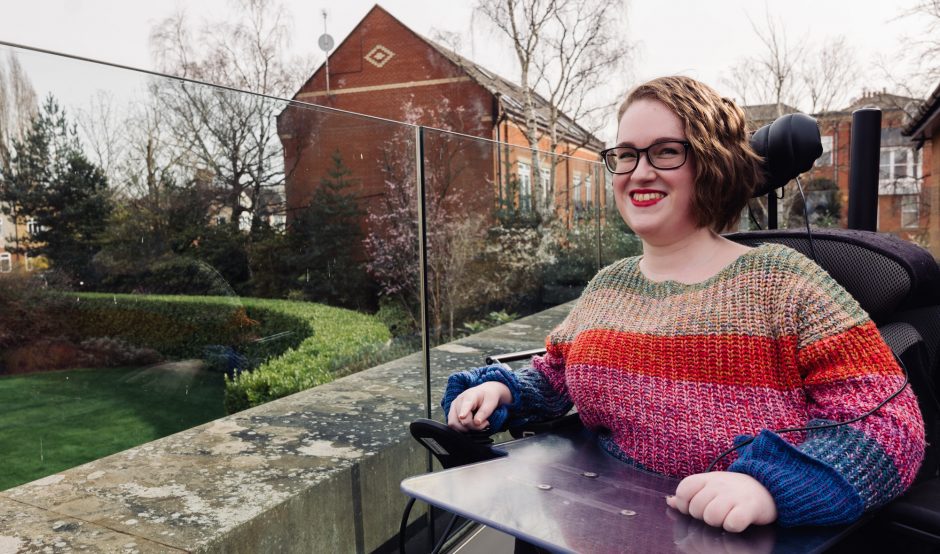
(789, 147)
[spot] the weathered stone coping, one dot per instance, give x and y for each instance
(318, 471)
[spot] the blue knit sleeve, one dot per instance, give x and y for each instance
(533, 398)
(806, 490)
(833, 473)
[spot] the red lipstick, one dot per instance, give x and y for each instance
(642, 198)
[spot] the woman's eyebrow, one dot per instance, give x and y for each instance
(660, 139)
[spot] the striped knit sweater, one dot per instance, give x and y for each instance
(670, 375)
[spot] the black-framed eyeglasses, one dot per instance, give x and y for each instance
(668, 154)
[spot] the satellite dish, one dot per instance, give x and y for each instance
(325, 42)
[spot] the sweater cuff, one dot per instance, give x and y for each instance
(807, 491)
(461, 381)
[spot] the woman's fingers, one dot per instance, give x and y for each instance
(487, 406)
(737, 520)
(717, 511)
(686, 491)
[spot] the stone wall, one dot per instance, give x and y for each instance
(318, 471)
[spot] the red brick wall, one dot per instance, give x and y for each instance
(410, 85)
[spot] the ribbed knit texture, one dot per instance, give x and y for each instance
(670, 374)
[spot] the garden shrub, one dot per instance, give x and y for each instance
(576, 259)
(342, 341)
(28, 311)
(291, 345)
(172, 276)
(177, 326)
(114, 352)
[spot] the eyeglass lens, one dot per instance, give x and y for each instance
(663, 155)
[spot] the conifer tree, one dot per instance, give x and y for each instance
(51, 182)
(325, 238)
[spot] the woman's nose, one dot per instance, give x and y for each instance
(644, 170)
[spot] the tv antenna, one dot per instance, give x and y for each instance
(326, 44)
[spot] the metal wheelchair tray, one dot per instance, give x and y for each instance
(562, 492)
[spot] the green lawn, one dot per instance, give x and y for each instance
(56, 420)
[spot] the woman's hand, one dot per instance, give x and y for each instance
(724, 499)
(471, 410)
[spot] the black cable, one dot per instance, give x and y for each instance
(750, 212)
(809, 234)
(404, 525)
(440, 543)
(907, 379)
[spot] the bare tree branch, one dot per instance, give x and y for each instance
(829, 75)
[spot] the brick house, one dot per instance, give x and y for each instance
(9, 233)
(388, 73)
(924, 131)
(903, 205)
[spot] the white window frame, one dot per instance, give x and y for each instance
(588, 193)
(28, 262)
(32, 226)
(910, 218)
(891, 184)
(544, 177)
(525, 185)
(576, 190)
(6, 262)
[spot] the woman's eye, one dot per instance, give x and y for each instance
(627, 155)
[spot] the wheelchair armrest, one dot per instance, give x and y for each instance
(917, 513)
(542, 426)
(545, 426)
(513, 356)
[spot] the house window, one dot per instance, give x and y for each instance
(544, 177)
(897, 163)
(576, 191)
(6, 263)
(910, 210)
(588, 193)
(28, 261)
(32, 226)
(220, 220)
(525, 187)
(826, 158)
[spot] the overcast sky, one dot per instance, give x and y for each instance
(702, 39)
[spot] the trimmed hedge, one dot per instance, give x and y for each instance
(295, 345)
(341, 338)
(182, 326)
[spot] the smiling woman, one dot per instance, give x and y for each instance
(671, 356)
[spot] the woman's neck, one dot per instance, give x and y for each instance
(689, 259)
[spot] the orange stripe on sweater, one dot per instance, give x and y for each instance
(739, 360)
(856, 352)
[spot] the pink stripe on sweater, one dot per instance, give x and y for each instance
(677, 427)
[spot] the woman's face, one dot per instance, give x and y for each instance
(655, 203)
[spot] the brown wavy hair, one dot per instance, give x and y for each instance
(727, 168)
